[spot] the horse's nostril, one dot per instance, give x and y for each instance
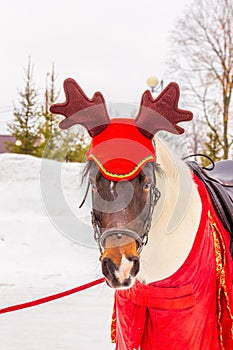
(136, 265)
(108, 266)
(134, 259)
(126, 282)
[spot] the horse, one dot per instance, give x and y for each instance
(162, 246)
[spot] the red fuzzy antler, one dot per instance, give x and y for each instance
(79, 109)
(161, 113)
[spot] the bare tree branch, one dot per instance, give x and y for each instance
(202, 58)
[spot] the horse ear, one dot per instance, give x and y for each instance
(161, 113)
(79, 109)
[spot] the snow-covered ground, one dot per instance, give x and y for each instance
(37, 259)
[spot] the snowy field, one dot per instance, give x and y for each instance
(37, 259)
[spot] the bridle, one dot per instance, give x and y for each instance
(101, 236)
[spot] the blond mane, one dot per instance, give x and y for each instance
(175, 221)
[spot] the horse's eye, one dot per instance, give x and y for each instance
(147, 186)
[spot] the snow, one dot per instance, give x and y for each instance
(42, 254)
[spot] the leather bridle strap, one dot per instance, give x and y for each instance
(154, 197)
(118, 232)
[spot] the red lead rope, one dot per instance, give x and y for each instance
(51, 297)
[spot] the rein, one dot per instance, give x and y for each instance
(51, 297)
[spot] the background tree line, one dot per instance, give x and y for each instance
(36, 129)
(200, 60)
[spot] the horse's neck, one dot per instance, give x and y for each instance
(175, 222)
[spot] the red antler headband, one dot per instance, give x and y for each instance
(79, 109)
(122, 146)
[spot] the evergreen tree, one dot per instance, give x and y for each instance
(212, 149)
(26, 118)
(48, 128)
(75, 146)
(36, 129)
(69, 146)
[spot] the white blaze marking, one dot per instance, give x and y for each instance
(124, 269)
(111, 187)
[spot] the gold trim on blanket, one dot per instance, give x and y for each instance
(220, 252)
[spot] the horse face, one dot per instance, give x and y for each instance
(121, 208)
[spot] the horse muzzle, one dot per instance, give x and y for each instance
(122, 276)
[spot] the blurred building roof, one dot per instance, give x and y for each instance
(3, 140)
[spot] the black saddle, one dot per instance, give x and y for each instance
(219, 183)
(222, 172)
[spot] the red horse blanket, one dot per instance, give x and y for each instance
(190, 310)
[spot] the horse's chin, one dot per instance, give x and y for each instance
(116, 284)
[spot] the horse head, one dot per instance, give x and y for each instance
(121, 217)
(122, 172)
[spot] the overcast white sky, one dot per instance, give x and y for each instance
(111, 46)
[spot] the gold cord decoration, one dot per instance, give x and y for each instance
(120, 176)
(222, 293)
(113, 326)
